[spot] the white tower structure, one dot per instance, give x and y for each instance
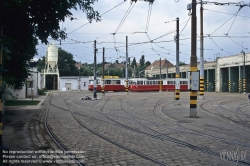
(51, 66)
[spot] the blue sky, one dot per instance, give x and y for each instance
(226, 33)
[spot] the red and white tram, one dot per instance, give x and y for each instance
(142, 85)
(116, 84)
(111, 83)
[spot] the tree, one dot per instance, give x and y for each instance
(142, 61)
(24, 22)
(147, 64)
(133, 64)
(66, 64)
(182, 63)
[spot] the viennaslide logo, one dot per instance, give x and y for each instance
(234, 155)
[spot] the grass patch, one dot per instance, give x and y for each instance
(21, 102)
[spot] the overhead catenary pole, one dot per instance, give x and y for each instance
(201, 97)
(177, 75)
(244, 72)
(126, 88)
(79, 81)
(193, 62)
(103, 61)
(160, 78)
(95, 83)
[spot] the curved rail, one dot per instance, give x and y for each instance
(56, 140)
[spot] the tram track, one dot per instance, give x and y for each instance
(156, 135)
(203, 133)
(225, 118)
(95, 132)
(56, 140)
(163, 136)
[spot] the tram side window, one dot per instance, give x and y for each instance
(107, 82)
(118, 82)
(170, 82)
(139, 82)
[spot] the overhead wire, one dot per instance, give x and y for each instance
(120, 24)
(225, 13)
(224, 23)
(148, 18)
(124, 17)
(219, 47)
(237, 43)
(233, 20)
(185, 25)
(100, 15)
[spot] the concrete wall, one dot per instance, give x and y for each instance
(234, 65)
(26, 92)
(74, 83)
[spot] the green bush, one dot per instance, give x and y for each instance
(41, 92)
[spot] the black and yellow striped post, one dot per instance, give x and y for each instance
(244, 72)
(177, 87)
(240, 85)
(193, 61)
(103, 61)
(194, 84)
(201, 90)
(160, 85)
(244, 85)
(207, 86)
(229, 85)
(126, 88)
(214, 84)
(160, 78)
(201, 87)
(177, 74)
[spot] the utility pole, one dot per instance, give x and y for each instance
(103, 60)
(126, 88)
(177, 75)
(244, 72)
(160, 78)
(95, 83)
(79, 81)
(193, 64)
(201, 97)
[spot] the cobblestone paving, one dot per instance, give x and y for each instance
(131, 120)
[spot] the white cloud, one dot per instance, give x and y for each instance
(162, 11)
